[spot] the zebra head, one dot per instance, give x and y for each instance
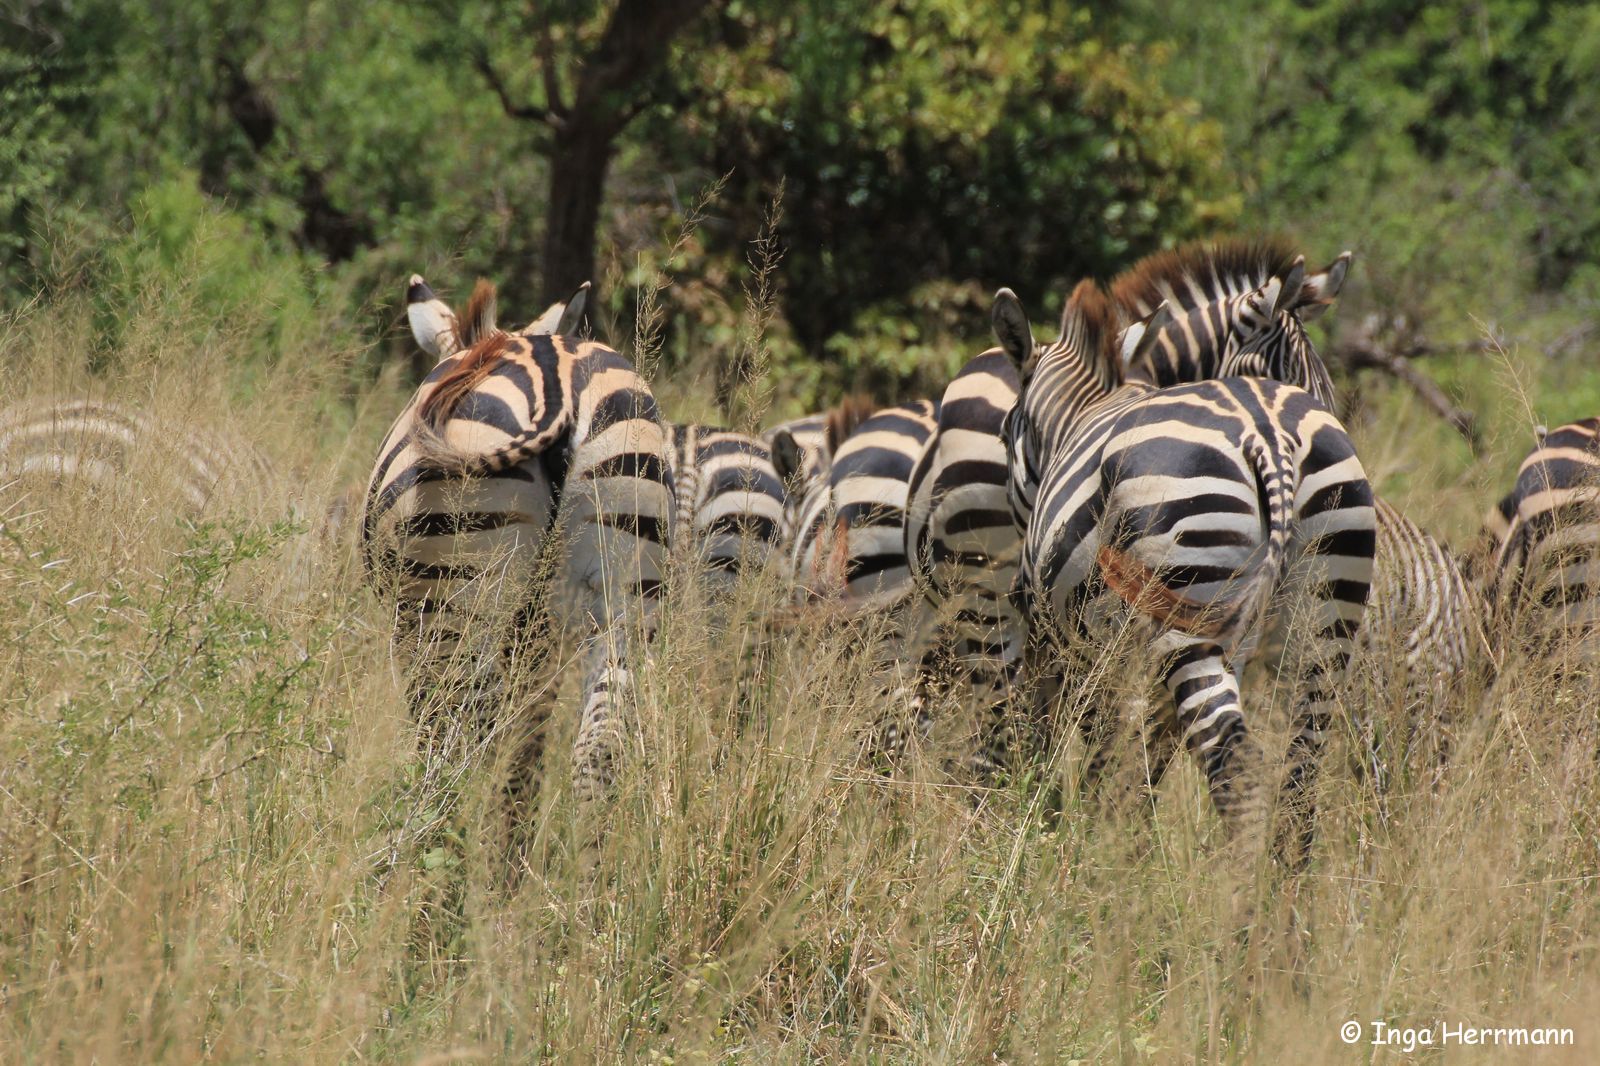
(1281, 348)
(1233, 310)
(1060, 381)
(441, 332)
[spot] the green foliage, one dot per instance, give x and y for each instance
(932, 141)
(314, 155)
(119, 675)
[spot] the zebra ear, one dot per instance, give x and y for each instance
(573, 315)
(1128, 341)
(1321, 289)
(433, 324)
(1139, 338)
(788, 458)
(1011, 327)
(560, 318)
(1287, 296)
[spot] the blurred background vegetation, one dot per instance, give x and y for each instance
(286, 164)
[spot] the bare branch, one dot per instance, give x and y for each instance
(523, 112)
(547, 65)
(1365, 354)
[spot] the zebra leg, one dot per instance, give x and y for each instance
(1321, 681)
(523, 731)
(991, 679)
(1159, 738)
(602, 726)
(1210, 719)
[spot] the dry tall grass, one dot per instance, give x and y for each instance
(217, 843)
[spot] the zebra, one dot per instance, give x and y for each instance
(728, 496)
(1192, 311)
(526, 482)
(1186, 515)
(848, 503)
(730, 499)
(807, 442)
(82, 441)
(1548, 558)
(846, 544)
(1238, 308)
(962, 548)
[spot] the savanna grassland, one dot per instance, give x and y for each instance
(218, 841)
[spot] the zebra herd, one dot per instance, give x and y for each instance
(1148, 503)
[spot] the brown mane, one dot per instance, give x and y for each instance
(844, 419)
(1212, 266)
(1098, 317)
(471, 367)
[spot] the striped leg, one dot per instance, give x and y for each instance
(602, 725)
(1210, 719)
(617, 528)
(987, 671)
(1337, 569)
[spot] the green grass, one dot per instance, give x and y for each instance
(219, 844)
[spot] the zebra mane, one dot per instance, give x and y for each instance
(1200, 273)
(844, 419)
(471, 367)
(1089, 324)
(476, 321)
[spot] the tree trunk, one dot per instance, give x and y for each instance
(580, 158)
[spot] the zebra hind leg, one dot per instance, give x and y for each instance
(1210, 719)
(602, 728)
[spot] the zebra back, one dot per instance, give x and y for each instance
(1179, 515)
(959, 533)
(849, 539)
(523, 461)
(1549, 558)
(729, 497)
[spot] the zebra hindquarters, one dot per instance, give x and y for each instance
(467, 557)
(1318, 617)
(1560, 579)
(1415, 649)
(617, 514)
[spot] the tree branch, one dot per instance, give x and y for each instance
(550, 116)
(635, 42)
(547, 64)
(1365, 354)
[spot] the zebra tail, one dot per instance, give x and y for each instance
(1143, 588)
(1275, 483)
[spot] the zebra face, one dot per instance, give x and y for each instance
(1283, 352)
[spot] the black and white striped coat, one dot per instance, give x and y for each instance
(962, 549)
(729, 499)
(1189, 517)
(96, 443)
(1546, 571)
(527, 480)
(1238, 308)
(847, 504)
